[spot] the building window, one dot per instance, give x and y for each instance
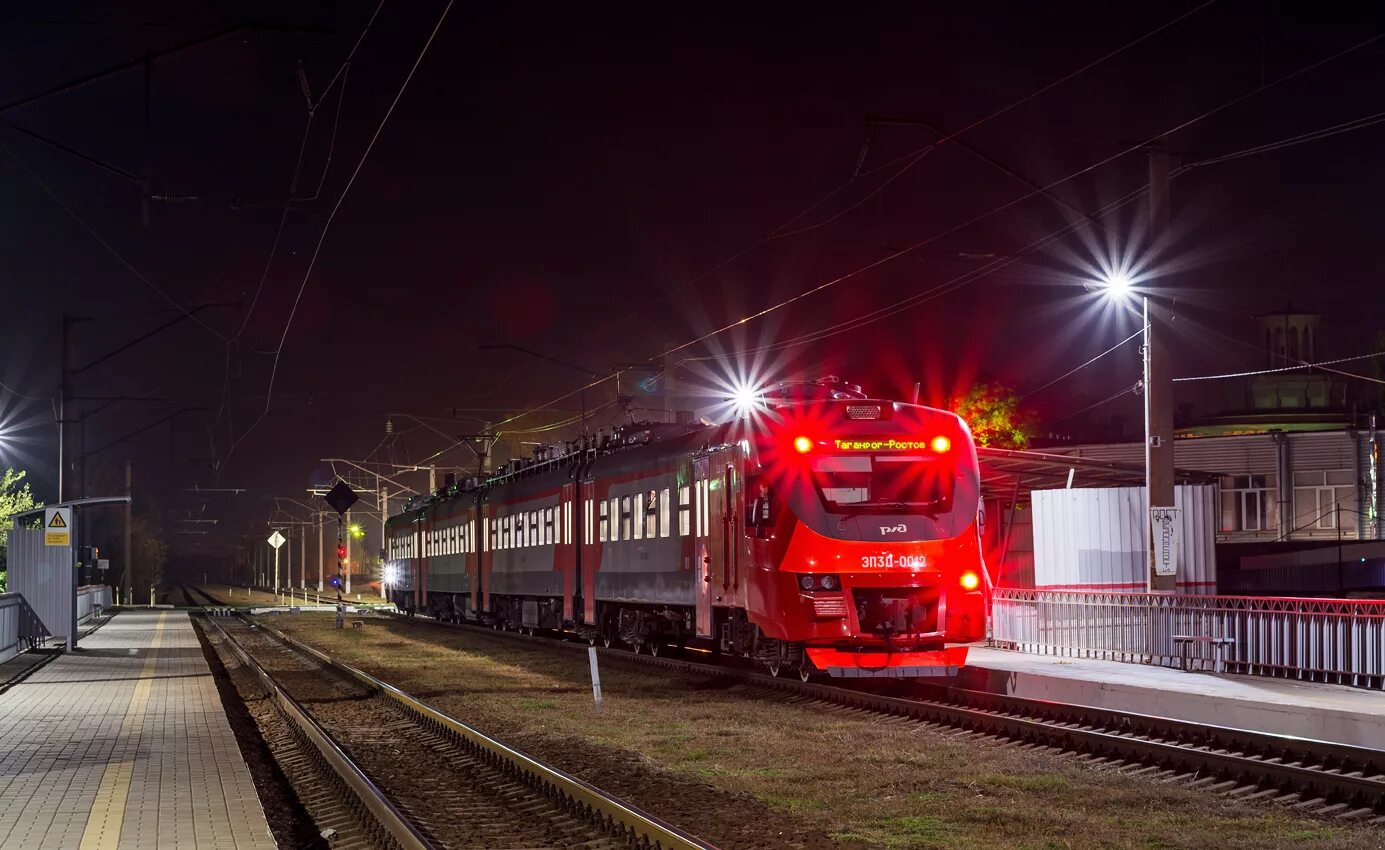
(1323, 499)
(1248, 503)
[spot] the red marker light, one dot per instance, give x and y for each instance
(341, 553)
(941, 444)
(802, 445)
(970, 580)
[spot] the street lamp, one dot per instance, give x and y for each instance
(1156, 387)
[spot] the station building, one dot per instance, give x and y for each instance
(1296, 466)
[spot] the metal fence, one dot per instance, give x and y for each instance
(20, 627)
(92, 599)
(1322, 640)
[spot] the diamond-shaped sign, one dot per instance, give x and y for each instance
(341, 497)
(276, 540)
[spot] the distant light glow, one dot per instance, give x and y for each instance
(746, 399)
(1118, 285)
(390, 574)
(357, 531)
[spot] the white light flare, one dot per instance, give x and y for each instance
(746, 399)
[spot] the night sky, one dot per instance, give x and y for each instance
(576, 179)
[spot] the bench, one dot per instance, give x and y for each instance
(1219, 646)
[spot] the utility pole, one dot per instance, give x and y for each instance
(303, 558)
(64, 389)
(1158, 379)
(321, 554)
(127, 572)
(347, 582)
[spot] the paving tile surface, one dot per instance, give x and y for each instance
(124, 744)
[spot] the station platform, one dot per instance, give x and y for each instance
(124, 744)
(1337, 713)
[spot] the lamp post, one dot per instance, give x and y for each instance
(1156, 387)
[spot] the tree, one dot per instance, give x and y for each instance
(15, 497)
(994, 414)
(148, 551)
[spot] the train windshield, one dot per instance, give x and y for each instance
(895, 483)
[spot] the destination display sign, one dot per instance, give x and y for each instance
(882, 444)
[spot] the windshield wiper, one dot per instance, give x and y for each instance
(866, 508)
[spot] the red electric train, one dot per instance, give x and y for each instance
(826, 531)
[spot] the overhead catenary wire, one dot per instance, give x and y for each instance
(909, 159)
(994, 211)
(107, 246)
(1002, 111)
(759, 314)
(1074, 371)
(1300, 365)
(327, 226)
(1312, 136)
(1133, 388)
(340, 75)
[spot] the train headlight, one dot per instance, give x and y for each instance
(970, 580)
(828, 583)
(806, 582)
(802, 445)
(941, 444)
(391, 574)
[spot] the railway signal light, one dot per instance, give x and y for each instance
(341, 553)
(336, 581)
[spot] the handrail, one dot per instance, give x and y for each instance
(1339, 641)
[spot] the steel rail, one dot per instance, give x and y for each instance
(577, 795)
(392, 823)
(1353, 777)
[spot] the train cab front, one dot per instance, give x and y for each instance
(867, 549)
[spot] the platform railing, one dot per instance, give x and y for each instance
(20, 628)
(92, 599)
(1341, 641)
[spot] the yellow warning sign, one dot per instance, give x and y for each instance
(57, 526)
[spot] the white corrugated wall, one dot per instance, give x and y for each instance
(1097, 539)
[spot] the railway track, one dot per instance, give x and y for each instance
(1318, 777)
(420, 779)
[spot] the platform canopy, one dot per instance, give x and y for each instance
(1007, 473)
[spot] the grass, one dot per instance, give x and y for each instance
(852, 781)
